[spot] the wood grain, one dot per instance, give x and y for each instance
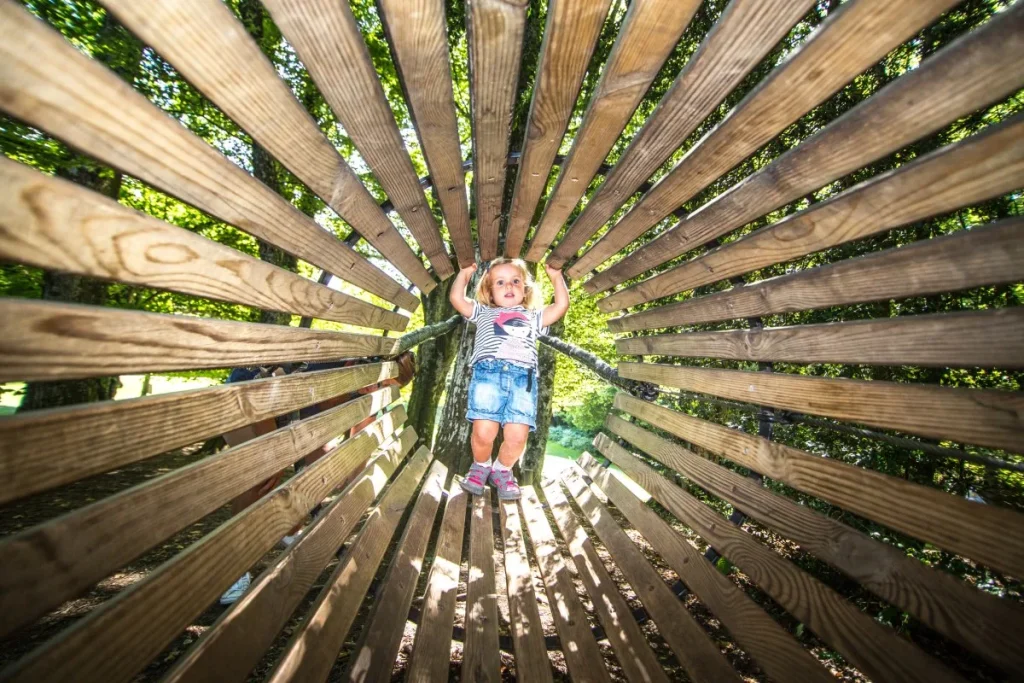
(976, 416)
(851, 40)
(993, 338)
(974, 71)
(49, 84)
(877, 651)
(980, 167)
(431, 651)
(649, 32)
(480, 660)
(230, 648)
(58, 225)
(570, 35)
(207, 44)
(745, 33)
(46, 448)
(582, 656)
(57, 560)
(326, 38)
(984, 255)
(979, 621)
(44, 340)
(495, 36)
(417, 34)
(989, 534)
(312, 651)
(779, 654)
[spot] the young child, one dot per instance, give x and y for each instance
(503, 391)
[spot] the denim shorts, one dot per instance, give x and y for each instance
(503, 392)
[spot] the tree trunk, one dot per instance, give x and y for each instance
(433, 361)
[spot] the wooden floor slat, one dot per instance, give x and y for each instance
(480, 660)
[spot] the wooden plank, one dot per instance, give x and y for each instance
(635, 656)
(852, 39)
(993, 338)
(532, 663)
(326, 38)
(984, 255)
(480, 659)
(975, 416)
(650, 31)
(204, 41)
(311, 652)
(582, 656)
(877, 651)
(417, 35)
(570, 34)
(980, 167)
(58, 225)
(745, 33)
(116, 640)
(59, 93)
(974, 71)
(495, 34)
(979, 621)
(46, 340)
(46, 448)
(57, 560)
(431, 651)
(375, 657)
(772, 647)
(987, 533)
(692, 646)
(235, 643)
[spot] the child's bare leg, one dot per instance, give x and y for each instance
(482, 440)
(513, 444)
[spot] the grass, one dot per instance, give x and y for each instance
(557, 458)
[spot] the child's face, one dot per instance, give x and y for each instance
(508, 288)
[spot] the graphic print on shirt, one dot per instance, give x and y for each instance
(513, 328)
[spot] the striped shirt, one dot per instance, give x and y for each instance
(508, 334)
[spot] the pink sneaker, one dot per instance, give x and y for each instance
(476, 479)
(508, 487)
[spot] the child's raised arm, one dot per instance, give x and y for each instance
(458, 294)
(553, 313)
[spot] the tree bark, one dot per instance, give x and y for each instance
(427, 333)
(433, 360)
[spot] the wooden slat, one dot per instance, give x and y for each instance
(570, 34)
(57, 560)
(694, 649)
(45, 340)
(853, 39)
(495, 32)
(375, 657)
(977, 620)
(58, 225)
(975, 416)
(650, 30)
(983, 166)
(746, 32)
(46, 448)
(431, 652)
(532, 663)
(771, 646)
(582, 657)
(480, 661)
(976, 70)
(987, 533)
(311, 652)
(116, 640)
(235, 643)
(326, 38)
(49, 84)
(984, 255)
(417, 35)
(993, 338)
(877, 651)
(634, 654)
(204, 41)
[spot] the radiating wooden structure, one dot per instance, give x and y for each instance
(385, 470)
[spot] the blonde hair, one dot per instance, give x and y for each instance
(483, 288)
